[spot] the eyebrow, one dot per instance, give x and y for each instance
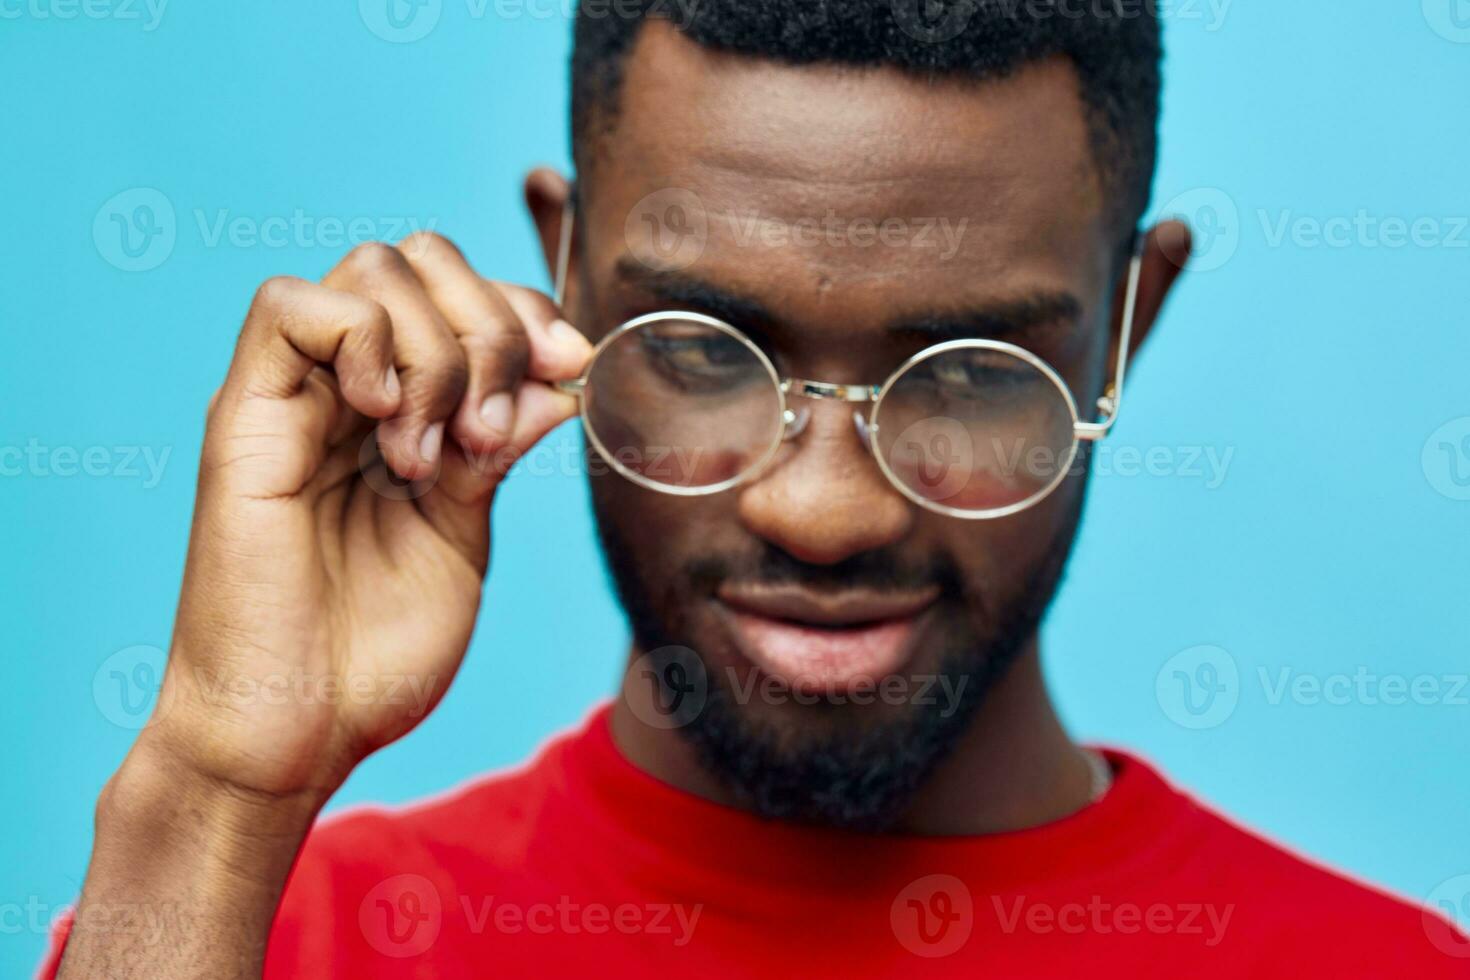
(681, 291)
(994, 320)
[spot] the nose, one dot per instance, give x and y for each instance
(824, 499)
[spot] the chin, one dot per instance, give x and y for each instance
(849, 757)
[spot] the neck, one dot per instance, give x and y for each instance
(1015, 767)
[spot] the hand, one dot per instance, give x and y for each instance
(326, 606)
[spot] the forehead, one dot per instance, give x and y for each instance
(796, 179)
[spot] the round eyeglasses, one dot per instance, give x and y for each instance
(686, 404)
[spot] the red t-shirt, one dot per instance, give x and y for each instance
(579, 864)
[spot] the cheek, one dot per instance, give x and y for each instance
(1000, 560)
(660, 535)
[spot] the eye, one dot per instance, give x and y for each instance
(698, 357)
(977, 375)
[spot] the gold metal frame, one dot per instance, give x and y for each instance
(578, 387)
(791, 421)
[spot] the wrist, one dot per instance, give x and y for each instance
(154, 799)
(186, 873)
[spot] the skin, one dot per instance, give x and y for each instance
(299, 565)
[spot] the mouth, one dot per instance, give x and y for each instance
(825, 643)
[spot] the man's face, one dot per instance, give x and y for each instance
(819, 578)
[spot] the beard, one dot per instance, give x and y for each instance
(843, 769)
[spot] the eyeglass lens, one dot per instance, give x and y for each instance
(683, 404)
(686, 405)
(975, 429)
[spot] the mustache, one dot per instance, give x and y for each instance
(878, 570)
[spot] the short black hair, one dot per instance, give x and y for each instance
(1114, 44)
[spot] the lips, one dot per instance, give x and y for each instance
(824, 642)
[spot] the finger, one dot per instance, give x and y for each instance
(294, 325)
(468, 479)
(459, 501)
(267, 424)
(430, 362)
(559, 351)
(492, 335)
(539, 409)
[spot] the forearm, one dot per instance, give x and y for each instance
(185, 876)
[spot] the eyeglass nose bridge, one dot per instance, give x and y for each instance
(795, 420)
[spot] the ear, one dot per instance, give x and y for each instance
(546, 196)
(1166, 249)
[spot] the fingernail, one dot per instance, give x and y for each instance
(497, 411)
(390, 381)
(564, 333)
(431, 442)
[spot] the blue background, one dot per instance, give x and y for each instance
(1333, 543)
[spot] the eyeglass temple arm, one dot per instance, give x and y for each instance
(559, 283)
(564, 248)
(1111, 402)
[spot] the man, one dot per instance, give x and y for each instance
(832, 753)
